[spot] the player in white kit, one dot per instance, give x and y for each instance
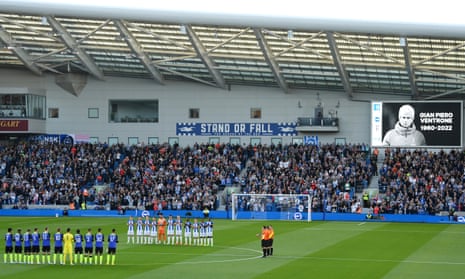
(139, 230)
(178, 230)
(170, 230)
(131, 230)
(153, 231)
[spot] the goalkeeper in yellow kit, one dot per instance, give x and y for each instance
(68, 240)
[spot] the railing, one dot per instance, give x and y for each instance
(315, 121)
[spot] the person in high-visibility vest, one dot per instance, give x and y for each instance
(265, 238)
(366, 199)
(270, 246)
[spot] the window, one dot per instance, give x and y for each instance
(194, 113)
(133, 111)
(112, 141)
(92, 113)
(340, 141)
(276, 141)
(214, 140)
(255, 141)
(153, 140)
(93, 140)
(23, 105)
(133, 141)
(173, 140)
(235, 141)
(255, 113)
(53, 112)
(297, 141)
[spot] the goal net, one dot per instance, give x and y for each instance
(271, 207)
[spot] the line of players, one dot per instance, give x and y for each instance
(170, 231)
(26, 248)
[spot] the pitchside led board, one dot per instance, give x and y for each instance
(416, 124)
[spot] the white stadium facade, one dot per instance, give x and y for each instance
(249, 72)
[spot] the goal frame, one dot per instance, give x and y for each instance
(295, 214)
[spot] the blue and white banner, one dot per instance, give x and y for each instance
(236, 129)
(311, 140)
(53, 138)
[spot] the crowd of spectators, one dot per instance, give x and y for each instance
(191, 178)
(153, 176)
(173, 177)
(421, 181)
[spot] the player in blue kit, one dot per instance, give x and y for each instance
(36, 246)
(112, 243)
(46, 236)
(88, 250)
(8, 256)
(58, 239)
(18, 240)
(27, 246)
(78, 255)
(99, 239)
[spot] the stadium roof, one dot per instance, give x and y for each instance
(315, 47)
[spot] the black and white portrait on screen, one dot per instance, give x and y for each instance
(417, 123)
(405, 132)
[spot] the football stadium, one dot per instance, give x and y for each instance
(200, 139)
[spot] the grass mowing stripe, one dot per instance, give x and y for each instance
(300, 246)
(369, 254)
(442, 256)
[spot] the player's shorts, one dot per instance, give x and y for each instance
(131, 233)
(18, 249)
(68, 251)
(8, 249)
(78, 250)
(46, 249)
(139, 232)
(98, 250)
(35, 249)
(88, 250)
(58, 250)
(27, 249)
(111, 251)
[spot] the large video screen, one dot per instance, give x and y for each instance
(416, 124)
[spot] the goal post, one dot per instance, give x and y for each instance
(292, 207)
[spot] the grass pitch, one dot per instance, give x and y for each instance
(301, 250)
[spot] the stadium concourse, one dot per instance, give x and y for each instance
(163, 177)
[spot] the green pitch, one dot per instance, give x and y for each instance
(301, 250)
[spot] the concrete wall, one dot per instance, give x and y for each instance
(175, 100)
